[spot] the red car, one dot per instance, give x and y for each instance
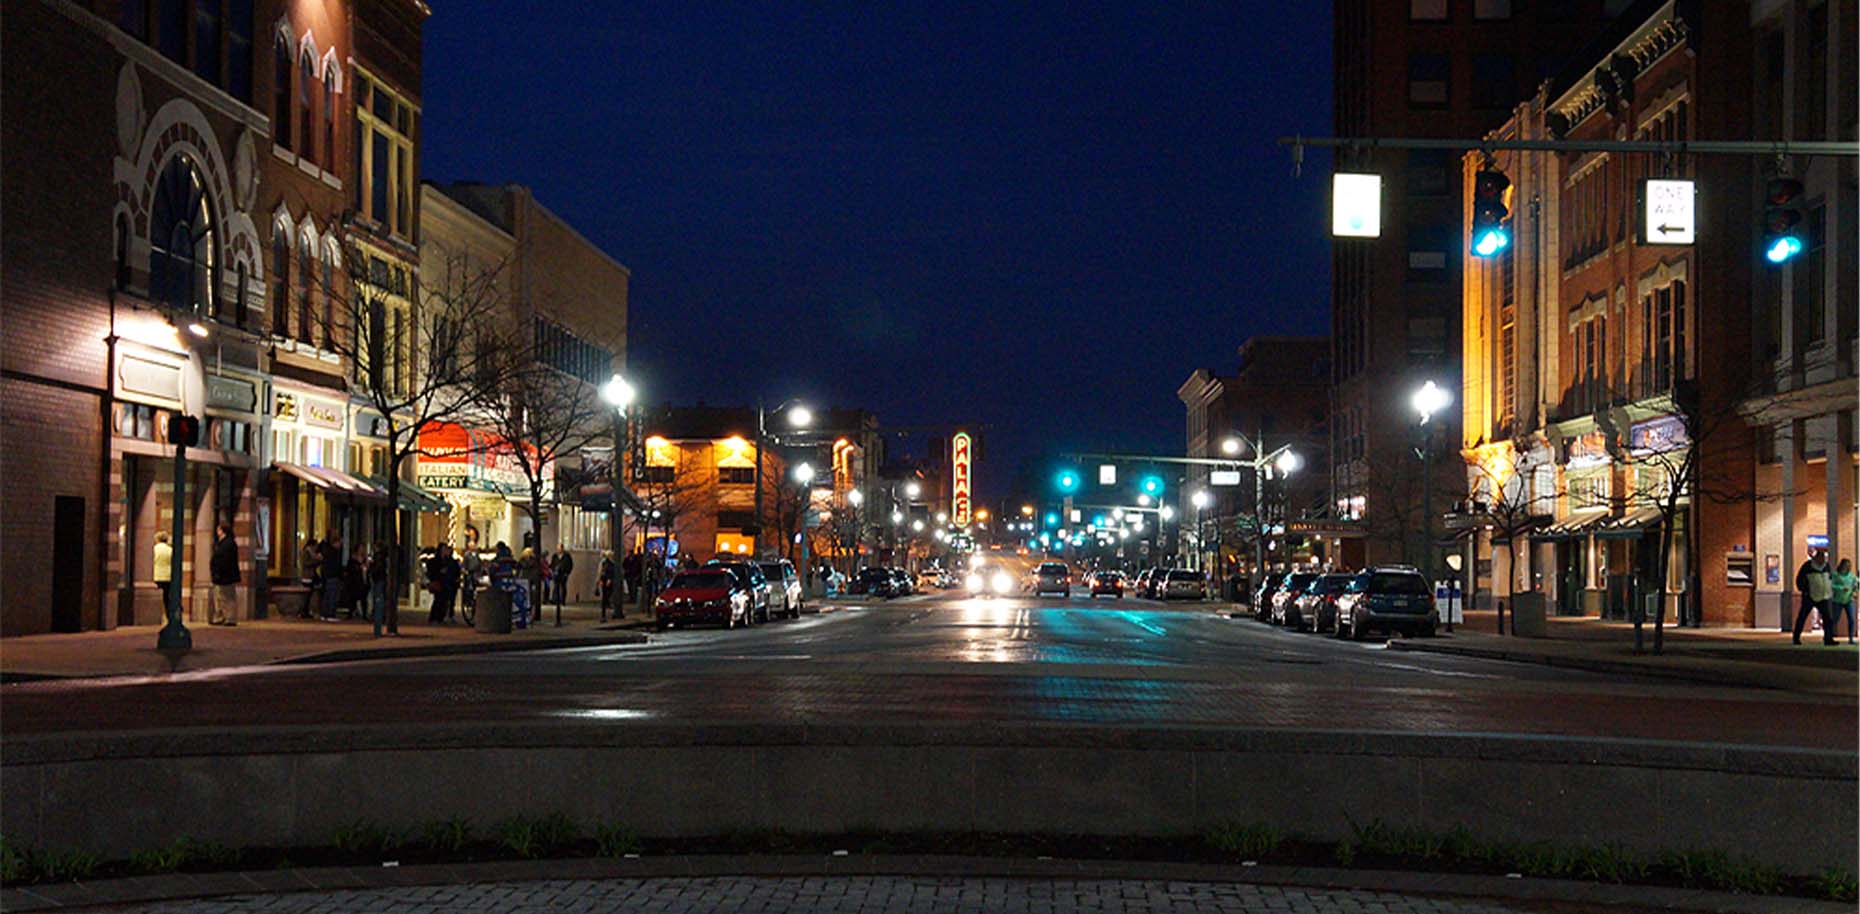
(712, 595)
(1111, 582)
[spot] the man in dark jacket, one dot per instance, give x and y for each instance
(442, 571)
(224, 569)
(330, 562)
(1814, 582)
(559, 569)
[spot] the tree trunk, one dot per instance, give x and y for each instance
(1659, 611)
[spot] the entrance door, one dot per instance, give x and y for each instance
(1571, 577)
(68, 554)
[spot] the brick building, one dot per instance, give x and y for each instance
(189, 153)
(1583, 346)
(1423, 68)
(1279, 396)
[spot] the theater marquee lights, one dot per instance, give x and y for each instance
(960, 480)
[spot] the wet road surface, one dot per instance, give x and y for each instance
(940, 659)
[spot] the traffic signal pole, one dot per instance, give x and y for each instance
(1657, 147)
(174, 636)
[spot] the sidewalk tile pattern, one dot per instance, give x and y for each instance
(850, 895)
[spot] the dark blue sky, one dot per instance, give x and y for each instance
(1036, 216)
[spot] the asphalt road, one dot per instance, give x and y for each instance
(942, 659)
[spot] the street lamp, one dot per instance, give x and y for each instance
(799, 416)
(1200, 499)
(912, 490)
(1288, 463)
(804, 473)
(618, 393)
(917, 526)
(1429, 399)
(1231, 446)
(855, 498)
(897, 517)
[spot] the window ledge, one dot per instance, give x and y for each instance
(283, 153)
(308, 167)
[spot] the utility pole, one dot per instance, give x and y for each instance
(174, 638)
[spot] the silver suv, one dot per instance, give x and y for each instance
(1052, 577)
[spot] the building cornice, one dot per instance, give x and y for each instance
(1613, 79)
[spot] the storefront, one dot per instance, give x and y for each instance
(313, 494)
(476, 474)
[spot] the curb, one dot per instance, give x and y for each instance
(469, 647)
(181, 886)
(1718, 677)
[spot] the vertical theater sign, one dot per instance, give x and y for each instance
(959, 489)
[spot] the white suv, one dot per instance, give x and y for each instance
(784, 589)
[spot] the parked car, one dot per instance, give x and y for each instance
(1183, 584)
(1288, 593)
(751, 575)
(705, 595)
(1140, 584)
(1052, 577)
(1111, 582)
(1262, 598)
(873, 582)
(901, 583)
(1316, 608)
(784, 588)
(1387, 598)
(1153, 588)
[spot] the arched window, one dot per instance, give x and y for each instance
(329, 297)
(329, 120)
(181, 249)
(306, 113)
(280, 279)
(239, 299)
(122, 251)
(281, 94)
(306, 285)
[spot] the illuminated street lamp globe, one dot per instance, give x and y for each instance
(897, 517)
(941, 534)
(800, 417)
(617, 392)
(917, 526)
(912, 489)
(804, 473)
(1230, 446)
(1430, 399)
(855, 498)
(1288, 463)
(1200, 499)
(1167, 512)
(1145, 500)
(942, 517)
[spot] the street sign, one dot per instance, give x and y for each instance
(1356, 205)
(1224, 478)
(1107, 474)
(1668, 211)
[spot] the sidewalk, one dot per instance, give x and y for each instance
(130, 651)
(1733, 657)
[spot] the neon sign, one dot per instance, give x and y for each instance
(959, 464)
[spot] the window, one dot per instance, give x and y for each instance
(280, 279)
(1427, 80)
(207, 40)
(1427, 252)
(306, 131)
(1811, 88)
(1427, 10)
(384, 149)
(1588, 490)
(181, 249)
(329, 300)
(306, 288)
(132, 16)
(281, 93)
(239, 49)
(561, 349)
(1491, 10)
(397, 362)
(736, 476)
(329, 122)
(1494, 81)
(1427, 172)
(1810, 281)
(655, 474)
(172, 35)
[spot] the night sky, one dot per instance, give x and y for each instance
(1039, 216)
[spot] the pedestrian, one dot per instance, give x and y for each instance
(470, 568)
(442, 576)
(385, 612)
(560, 568)
(1814, 582)
(224, 569)
(605, 583)
(331, 562)
(1841, 599)
(310, 574)
(162, 569)
(631, 568)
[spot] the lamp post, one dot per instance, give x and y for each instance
(1429, 399)
(798, 416)
(804, 474)
(1200, 500)
(618, 394)
(1285, 460)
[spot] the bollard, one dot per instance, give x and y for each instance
(1501, 617)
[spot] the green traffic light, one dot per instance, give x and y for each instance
(1151, 485)
(1068, 481)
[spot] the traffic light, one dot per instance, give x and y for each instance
(1067, 481)
(1490, 234)
(1151, 485)
(1782, 221)
(1052, 518)
(183, 431)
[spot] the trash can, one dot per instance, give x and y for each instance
(1527, 614)
(493, 613)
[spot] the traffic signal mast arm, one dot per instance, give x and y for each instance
(1676, 147)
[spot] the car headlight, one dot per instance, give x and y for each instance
(974, 582)
(1003, 582)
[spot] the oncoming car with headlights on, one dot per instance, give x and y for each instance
(987, 581)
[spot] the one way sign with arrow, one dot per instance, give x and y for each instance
(1667, 211)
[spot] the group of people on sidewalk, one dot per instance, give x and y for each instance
(1829, 592)
(339, 581)
(222, 570)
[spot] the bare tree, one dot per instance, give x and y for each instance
(404, 344)
(666, 493)
(1503, 495)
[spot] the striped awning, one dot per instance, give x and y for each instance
(1572, 528)
(335, 482)
(1629, 526)
(414, 498)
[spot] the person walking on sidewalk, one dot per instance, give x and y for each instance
(605, 583)
(309, 567)
(162, 567)
(1841, 600)
(1815, 583)
(442, 575)
(559, 569)
(355, 584)
(330, 562)
(224, 569)
(471, 567)
(384, 611)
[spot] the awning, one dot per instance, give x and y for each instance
(1629, 526)
(598, 496)
(334, 482)
(1571, 528)
(414, 498)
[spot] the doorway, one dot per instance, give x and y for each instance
(67, 563)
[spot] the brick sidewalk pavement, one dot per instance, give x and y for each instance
(852, 895)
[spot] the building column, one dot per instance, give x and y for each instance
(1830, 433)
(1785, 443)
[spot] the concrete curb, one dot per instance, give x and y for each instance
(1725, 674)
(181, 886)
(618, 636)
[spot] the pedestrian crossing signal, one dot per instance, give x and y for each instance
(183, 431)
